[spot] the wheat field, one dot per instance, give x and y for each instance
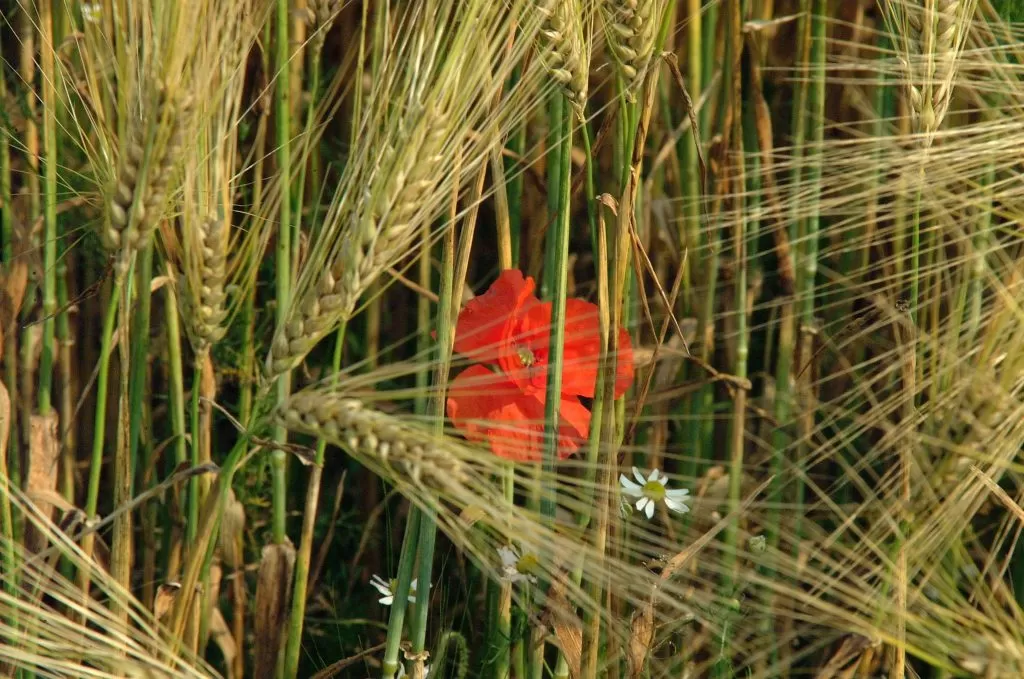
(512, 339)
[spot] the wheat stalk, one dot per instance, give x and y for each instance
(631, 30)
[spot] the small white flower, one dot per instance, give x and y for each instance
(387, 589)
(652, 490)
(516, 568)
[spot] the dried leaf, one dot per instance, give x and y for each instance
(273, 593)
(221, 635)
(232, 527)
(43, 454)
(13, 283)
(216, 573)
(641, 638)
(164, 600)
(560, 616)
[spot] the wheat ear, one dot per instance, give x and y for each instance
(565, 48)
(936, 33)
(348, 423)
(134, 205)
(208, 319)
(386, 227)
(630, 30)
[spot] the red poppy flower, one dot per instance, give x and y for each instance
(502, 402)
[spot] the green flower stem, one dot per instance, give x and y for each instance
(294, 646)
(690, 160)
(46, 59)
(195, 446)
(515, 174)
(809, 265)
(447, 312)
(282, 108)
(140, 350)
(396, 620)
(8, 466)
(557, 274)
(99, 427)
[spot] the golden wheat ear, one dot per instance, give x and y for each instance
(631, 29)
(133, 108)
(930, 37)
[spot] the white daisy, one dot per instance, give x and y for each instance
(388, 587)
(516, 568)
(652, 490)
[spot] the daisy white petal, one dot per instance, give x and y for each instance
(380, 584)
(676, 506)
(629, 487)
(641, 503)
(508, 557)
(638, 476)
(677, 493)
(654, 476)
(650, 509)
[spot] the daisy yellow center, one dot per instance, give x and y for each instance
(526, 356)
(527, 564)
(654, 490)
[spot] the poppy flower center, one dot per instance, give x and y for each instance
(654, 490)
(526, 356)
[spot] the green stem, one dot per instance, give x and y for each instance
(298, 611)
(282, 108)
(140, 350)
(176, 387)
(396, 621)
(102, 379)
(195, 440)
(557, 275)
(7, 467)
(816, 120)
(428, 524)
(46, 57)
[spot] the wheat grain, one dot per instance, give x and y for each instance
(630, 30)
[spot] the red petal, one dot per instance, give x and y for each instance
(482, 323)
(486, 406)
(574, 426)
(582, 348)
